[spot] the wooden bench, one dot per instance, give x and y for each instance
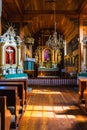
(25, 82)
(83, 93)
(5, 115)
(21, 91)
(13, 101)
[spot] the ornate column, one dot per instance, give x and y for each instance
(53, 56)
(18, 55)
(29, 41)
(40, 56)
(56, 52)
(2, 59)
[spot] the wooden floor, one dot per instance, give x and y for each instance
(52, 108)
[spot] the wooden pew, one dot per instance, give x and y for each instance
(21, 91)
(5, 114)
(13, 101)
(25, 82)
(83, 93)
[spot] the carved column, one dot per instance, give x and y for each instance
(18, 56)
(56, 56)
(2, 58)
(53, 56)
(40, 56)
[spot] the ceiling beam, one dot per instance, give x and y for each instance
(29, 18)
(19, 7)
(37, 12)
(81, 8)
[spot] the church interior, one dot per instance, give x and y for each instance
(43, 64)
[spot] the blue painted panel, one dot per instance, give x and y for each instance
(25, 65)
(32, 66)
(29, 65)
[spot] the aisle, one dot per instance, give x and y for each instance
(53, 109)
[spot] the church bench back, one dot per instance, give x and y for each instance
(21, 91)
(25, 82)
(13, 101)
(5, 114)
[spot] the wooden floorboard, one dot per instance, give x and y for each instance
(52, 108)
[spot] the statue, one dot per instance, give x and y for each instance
(9, 51)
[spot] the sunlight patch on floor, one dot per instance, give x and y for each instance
(48, 111)
(47, 108)
(45, 92)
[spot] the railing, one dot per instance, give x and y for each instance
(53, 82)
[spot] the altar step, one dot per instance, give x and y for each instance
(47, 76)
(16, 76)
(53, 82)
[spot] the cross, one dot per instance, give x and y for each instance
(9, 51)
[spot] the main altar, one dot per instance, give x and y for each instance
(47, 60)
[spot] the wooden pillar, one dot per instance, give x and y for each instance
(85, 55)
(0, 26)
(22, 48)
(80, 44)
(0, 15)
(18, 55)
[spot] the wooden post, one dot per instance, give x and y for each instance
(22, 44)
(0, 15)
(80, 44)
(0, 25)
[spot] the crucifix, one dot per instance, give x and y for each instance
(9, 51)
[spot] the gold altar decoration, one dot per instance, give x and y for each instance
(10, 53)
(54, 57)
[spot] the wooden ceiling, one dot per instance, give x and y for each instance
(39, 14)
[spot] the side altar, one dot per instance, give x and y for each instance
(10, 54)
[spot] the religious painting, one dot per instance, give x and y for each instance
(10, 55)
(47, 55)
